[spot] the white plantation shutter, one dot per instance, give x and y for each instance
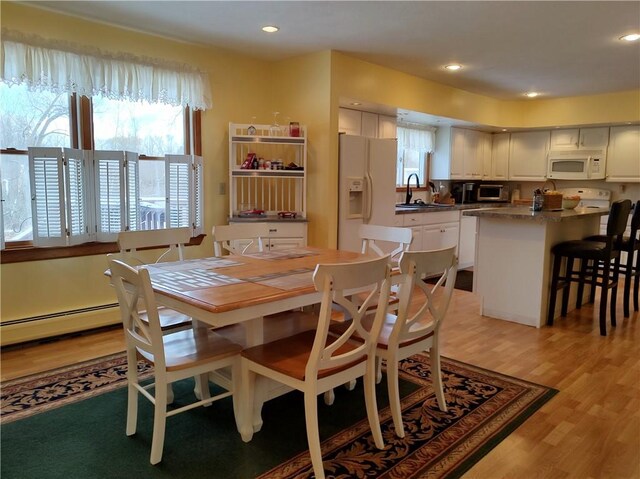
(47, 196)
(197, 206)
(1, 213)
(133, 191)
(110, 194)
(179, 183)
(77, 206)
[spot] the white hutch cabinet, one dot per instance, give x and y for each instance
(272, 188)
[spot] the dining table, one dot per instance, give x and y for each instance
(244, 289)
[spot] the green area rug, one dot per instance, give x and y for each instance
(70, 423)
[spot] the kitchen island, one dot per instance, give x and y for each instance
(512, 273)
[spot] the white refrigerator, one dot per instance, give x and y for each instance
(367, 185)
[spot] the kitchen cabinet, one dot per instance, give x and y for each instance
(270, 190)
(467, 245)
(459, 154)
(500, 156)
(528, 155)
(387, 127)
(623, 158)
(364, 123)
(433, 230)
(580, 139)
(369, 126)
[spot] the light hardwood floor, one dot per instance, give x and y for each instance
(590, 429)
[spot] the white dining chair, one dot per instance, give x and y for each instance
(175, 356)
(377, 239)
(416, 327)
(313, 362)
(173, 241)
(239, 238)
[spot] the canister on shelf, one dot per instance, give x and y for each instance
(538, 200)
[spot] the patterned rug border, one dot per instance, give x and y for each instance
(497, 428)
(63, 386)
(450, 459)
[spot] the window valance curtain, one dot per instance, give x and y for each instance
(421, 139)
(47, 65)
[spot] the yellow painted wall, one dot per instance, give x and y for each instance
(43, 287)
(305, 89)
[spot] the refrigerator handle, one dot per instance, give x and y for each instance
(368, 197)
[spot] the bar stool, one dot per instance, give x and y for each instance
(606, 253)
(630, 269)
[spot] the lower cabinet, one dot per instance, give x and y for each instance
(467, 246)
(281, 236)
(433, 230)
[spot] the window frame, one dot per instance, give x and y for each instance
(81, 118)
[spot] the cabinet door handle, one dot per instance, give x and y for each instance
(274, 230)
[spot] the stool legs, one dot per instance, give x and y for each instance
(636, 283)
(566, 289)
(583, 275)
(557, 261)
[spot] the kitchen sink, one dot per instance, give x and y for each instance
(423, 205)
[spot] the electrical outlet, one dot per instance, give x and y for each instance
(222, 188)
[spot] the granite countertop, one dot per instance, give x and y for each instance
(470, 206)
(525, 213)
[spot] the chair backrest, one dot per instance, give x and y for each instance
(617, 223)
(173, 239)
(133, 288)
(371, 235)
(249, 236)
(337, 282)
(635, 222)
(418, 265)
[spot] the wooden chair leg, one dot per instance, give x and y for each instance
(604, 291)
(636, 283)
(583, 276)
(436, 377)
(159, 423)
(557, 261)
(628, 275)
(313, 432)
(247, 386)
(615, 278)
(594, 280)
(394, 396)
(132, 394)
(567, 287)
(329, 397)
(372, 406)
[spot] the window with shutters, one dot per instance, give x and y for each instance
(52, 195)
(87, 153)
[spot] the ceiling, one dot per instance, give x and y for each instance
(506, 47)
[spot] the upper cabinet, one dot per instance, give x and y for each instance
(460, 154)
(364, 123)
(528, 155)
(623, 158)
(500, 156)
(580, 139)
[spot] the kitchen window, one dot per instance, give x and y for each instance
(80, 163)
(414, 143)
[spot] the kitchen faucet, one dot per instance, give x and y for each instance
(407, 199)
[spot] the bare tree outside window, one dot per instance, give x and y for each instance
(27, 118)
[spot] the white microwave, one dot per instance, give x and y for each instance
(576, 165)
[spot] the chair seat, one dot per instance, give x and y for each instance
(626, 242)
(290, 355)
(584, 249)
(169, 318)
(188, 348)
(385, 334)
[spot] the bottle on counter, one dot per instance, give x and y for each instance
(538, 200)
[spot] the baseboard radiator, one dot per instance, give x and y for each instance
(32, 328)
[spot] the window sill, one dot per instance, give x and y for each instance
(29, 253)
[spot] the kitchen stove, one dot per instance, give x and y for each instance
(592, 198)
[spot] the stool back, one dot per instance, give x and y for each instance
(635, 226)
(617, 223)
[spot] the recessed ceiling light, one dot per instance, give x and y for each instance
(504, 129)
(355, 103)
(532, 94)
(270, 29)
(453, 67)
(632, 37)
